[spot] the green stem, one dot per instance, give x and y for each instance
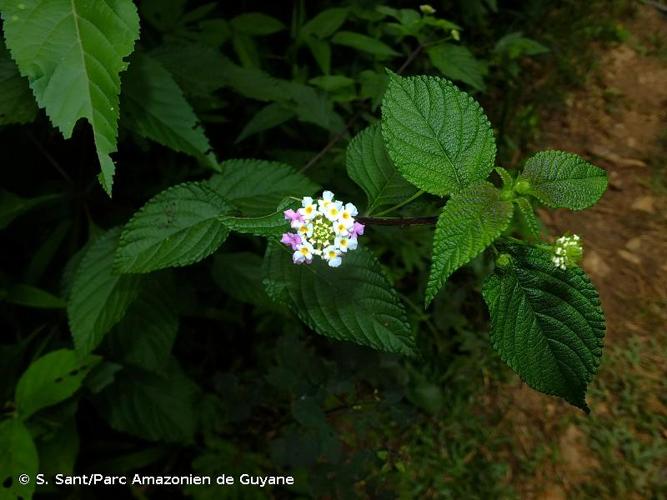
(402, 204)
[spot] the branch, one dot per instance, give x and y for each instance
(398, 221)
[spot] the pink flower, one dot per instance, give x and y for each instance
(291, 239)
(291, 215)
(357, 230)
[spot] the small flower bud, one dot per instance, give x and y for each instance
(427, 9)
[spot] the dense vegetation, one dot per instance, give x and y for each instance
(152, 323)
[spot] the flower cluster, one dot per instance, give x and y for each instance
(323, 227)
(567, 251)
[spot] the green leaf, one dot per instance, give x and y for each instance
(273, 224)
(146, 335)
(563, 180)
(177, 227)
(321, 51)
(256, 24)
(355, 302)
(99, 297)
(326, 23)
(19, 456)
(370, 167)
(12, 205)
(332, 83)
(470, 221)
(58, 449)
(546, 323)
(364, 43)
(528, 218)
(437, 136)
(266, 118)
(154, 107)
(52, 379)
(239, 274)
(514, 45)
(17, 104)
(30, 296)
(256, 187)
(458, 63)
(151, 406)
(72, 53)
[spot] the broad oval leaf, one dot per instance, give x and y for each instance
(178, 227)
(19, 456)
(364, 43)
(470, 221)
(154, 107)
(99, 297)
(546, 323)
(437, 136)
(564, 180)
(150, 406)
(72, 52)
(355, 302)
(256, 187)
(51, 379)
(370, 167)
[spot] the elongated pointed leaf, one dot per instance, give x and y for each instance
(178, 227)
(99, 297)
(72, 52)
(256, 187)
(354, 302)
(370, 167)
(437, 136)
(470, 221)
(19, 457)
(564, 180)
(51, 379)
(546, 323)
(154, 107)
(458, 63)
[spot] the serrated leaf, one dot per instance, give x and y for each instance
(146, 335)
(564, 180)
(99, 297)
(239, 274)
(17, 104)
(72, 52)
(177, 227)
(470, 221)
(437, 136)
(154, 107)
(151, 406)
(326, 23)
(256, 187)
(528, 218)
(355, 302)
(458, 63)
(19, 457)
(51, 379)
(364, 43)
(546, 323)
(370, 167)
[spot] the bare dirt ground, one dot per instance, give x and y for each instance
(618, 120)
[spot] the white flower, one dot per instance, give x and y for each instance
(333, 210)
(309, 209)
(325, 228)
(348, 214)
(567, 251)
(332, 255)
(303, 253)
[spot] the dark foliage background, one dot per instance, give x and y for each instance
(256, 391)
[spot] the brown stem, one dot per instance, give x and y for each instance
(398, 221)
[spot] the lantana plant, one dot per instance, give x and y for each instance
(433, 141)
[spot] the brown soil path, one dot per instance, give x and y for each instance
(618, 120)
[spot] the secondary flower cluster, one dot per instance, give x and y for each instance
(323, 227)
(567, 251)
